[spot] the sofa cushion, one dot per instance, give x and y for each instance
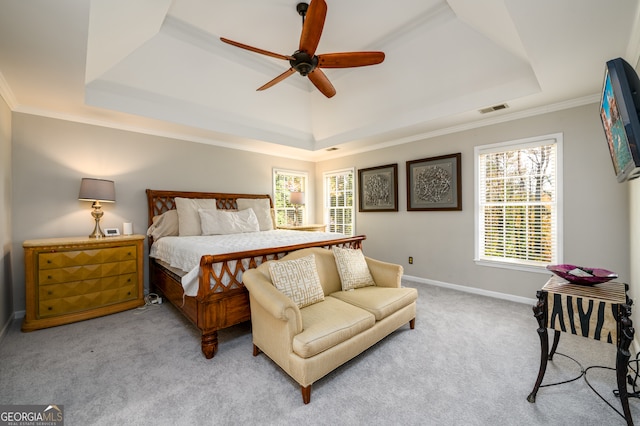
(327, 324)
(298, 279)
(380, 301)
(353, 268)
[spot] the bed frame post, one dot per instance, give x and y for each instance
(209, 344)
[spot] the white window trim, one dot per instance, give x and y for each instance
(325, 194)
(502, 146)
(306, 190)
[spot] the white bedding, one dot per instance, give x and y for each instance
(184, 253)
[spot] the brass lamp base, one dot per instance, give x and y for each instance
(97, 214)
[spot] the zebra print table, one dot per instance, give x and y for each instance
(600, 312)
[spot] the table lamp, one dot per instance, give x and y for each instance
(96, 191)
(297, 200)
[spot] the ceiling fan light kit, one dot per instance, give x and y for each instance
(304, 60)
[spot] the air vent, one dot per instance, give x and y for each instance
(493, 108)
(333, 148)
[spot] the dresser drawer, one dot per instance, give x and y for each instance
(71, 258)
(77, 273)
(85, 302)
(76, 288)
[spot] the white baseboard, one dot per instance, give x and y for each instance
(6, 325)
(494, 294)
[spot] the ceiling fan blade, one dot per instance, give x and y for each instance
(256, 50)
(320, 80)
(277, 80)
(350, 59)
(312, 28)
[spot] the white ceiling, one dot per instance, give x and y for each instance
(158, 66)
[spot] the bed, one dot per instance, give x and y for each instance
(218, 299)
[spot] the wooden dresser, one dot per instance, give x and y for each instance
(73, 279)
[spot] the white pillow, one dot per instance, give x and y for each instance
(298, 279)
(262, 209)
(352, 268)
(188, 217)
(220, 222)
(164, 225)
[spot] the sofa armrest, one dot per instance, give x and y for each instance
(385, 274)
(270, 299)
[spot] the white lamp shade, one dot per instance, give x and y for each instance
(97, 190)
(296, 198)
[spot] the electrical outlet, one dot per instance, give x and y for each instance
(410, 260)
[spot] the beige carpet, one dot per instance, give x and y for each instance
(471, 360)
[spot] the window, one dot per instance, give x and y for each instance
(339, 195)
(518, 207)
(284, 183)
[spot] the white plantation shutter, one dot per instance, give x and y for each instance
(518, 202)
(339, 201)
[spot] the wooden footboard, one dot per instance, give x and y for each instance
(222, 299)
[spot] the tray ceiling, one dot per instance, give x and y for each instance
(159, 65)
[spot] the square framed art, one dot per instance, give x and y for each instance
(434, 183)
(378, 189)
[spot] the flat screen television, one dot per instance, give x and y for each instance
(619, 113)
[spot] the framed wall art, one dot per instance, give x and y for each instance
(378, 189)
(434, 183)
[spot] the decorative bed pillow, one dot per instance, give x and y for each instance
(262, 209)
(164, 225)
(221, 222)
(352, 268)
(188, 217)
(298, 279)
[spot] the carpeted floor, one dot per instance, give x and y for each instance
(471, 360)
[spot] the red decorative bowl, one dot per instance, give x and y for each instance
(582, 275)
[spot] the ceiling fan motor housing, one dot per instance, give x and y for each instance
(303, 62)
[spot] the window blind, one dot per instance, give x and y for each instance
(518, 203)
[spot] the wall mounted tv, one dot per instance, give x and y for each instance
(619, 113)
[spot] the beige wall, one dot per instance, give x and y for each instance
(634, 253)
(51, 156)
(634, 231)
(596, 207)
(6, 289)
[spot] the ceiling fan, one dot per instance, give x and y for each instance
(305, 61)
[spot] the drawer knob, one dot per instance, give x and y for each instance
(49, 292)
(49, 277)
(48, 260)
(50, 308)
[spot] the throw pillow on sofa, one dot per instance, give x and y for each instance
(298, 279)
(352, 268)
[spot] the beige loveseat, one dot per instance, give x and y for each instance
(311, 341)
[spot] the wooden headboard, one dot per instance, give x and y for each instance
(159, 202)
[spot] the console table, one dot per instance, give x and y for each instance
(600, 312)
